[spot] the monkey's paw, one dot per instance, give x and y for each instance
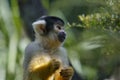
(67, 73)
(55, 64)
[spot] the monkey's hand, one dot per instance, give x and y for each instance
(67, 73)
(55, 65)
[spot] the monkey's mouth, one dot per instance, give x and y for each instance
(61, 36)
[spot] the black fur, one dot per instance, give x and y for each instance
(50, 21)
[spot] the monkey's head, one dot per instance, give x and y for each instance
(50, 28)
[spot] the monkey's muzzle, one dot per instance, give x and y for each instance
(61, 36)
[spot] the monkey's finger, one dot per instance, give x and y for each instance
(67, 72)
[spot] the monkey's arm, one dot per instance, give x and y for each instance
(44, 66)
(38, 65)
(65, 72)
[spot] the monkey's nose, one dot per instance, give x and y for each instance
(63, 33)
(61, 36)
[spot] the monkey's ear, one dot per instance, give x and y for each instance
(39, 26)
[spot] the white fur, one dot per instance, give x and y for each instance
(39, 22)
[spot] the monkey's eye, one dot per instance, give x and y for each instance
(58, 27)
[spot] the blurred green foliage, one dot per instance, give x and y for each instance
(98, 44)
(103, 21)
(93, 29)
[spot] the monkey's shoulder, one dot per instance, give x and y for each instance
(33, 47)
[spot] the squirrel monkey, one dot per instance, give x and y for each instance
(45, 58)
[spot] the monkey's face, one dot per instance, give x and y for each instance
(51, 28)
(61, 34)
